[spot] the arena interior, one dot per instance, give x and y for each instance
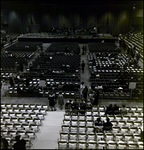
(43, 44)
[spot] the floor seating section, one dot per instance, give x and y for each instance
(77, 130)
(134, 38)
(59, 70)
(108, 75)
(18, 52)
(21, 119)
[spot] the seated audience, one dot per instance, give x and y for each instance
(116, 109)
(4, 143)
(107, 125)
(98, 122)
(109, 109)
(123, 110)
(20, 143)
(82, 107)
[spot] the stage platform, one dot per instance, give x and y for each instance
(49, 38)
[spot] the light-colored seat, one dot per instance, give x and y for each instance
(62, 144)
(92, 145)
(90, 137)
(82, 145)
(64, 136)
(72, 144)
(119, 136)
(73, 136)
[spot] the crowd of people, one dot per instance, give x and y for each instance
(18, 144)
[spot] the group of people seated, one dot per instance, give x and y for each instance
(101, 125)
(114, 110)
(19, 143)
(75, 106)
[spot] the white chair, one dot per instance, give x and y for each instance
(73, 129)
(121, 123)
(64, 136)
(128, 137)
(116, 129)
(82, 145)
(89, 123)
(132, 145)
(82, 136)
(101, 145)
(91, 137)
(119, 136)
(82, 123)
(109, 136)
(122, 145)
(72, 144)
(65, 128)
(92, 145)
(82, 129)
(125, 129)
(89, 129)
(62, 144)
(111, 145)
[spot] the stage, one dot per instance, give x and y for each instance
(49, 38)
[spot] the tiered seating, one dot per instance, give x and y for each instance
(108, 75)
(22, 46)
(77, 130)
(59, 71)
(135, 38)
(60, 47)
(8, 59)
(17, 52)
(102, 47)
(22, 119)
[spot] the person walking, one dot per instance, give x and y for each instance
(52, 102)
(82, 86)
(85, 91)
(83, 66)
(60, 100)
(96, 97)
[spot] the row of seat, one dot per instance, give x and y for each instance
(21, 119)
(73, 144)
(26, 46)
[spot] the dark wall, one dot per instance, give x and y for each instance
(107, 17)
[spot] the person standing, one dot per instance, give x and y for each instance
(60, 100)
(82, 86)
(20, 144)
(51, 98)
(83, 66)
(85, 91)
(96, 97)
(4, 143)
(11, 81)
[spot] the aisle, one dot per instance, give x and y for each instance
(84, 77)
(49, 131)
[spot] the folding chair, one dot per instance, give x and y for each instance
(91, 137)
(81, 129)
(82, 145)
(64, 136)
(62, 144)
(109, 136)
(73, 136)
(122, 145)
(111, 145)
(72, 144)
(92, 145)
(119, 136)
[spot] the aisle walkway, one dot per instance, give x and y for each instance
(49, 132)
(84, 77)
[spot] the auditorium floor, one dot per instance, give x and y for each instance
(49, 131)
